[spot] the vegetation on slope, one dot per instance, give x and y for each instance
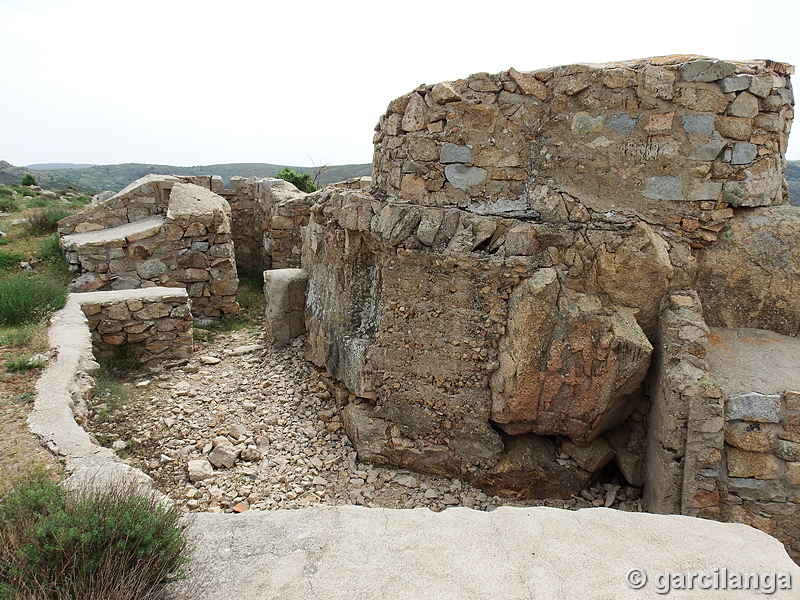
(97, 178)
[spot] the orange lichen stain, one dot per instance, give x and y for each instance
(715, 340)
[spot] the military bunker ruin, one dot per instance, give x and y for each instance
(554, 275)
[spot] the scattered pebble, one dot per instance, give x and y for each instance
(261, 432)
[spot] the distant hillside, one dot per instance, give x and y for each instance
(50, 166)
(97, 178)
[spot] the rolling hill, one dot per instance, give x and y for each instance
(93, 179)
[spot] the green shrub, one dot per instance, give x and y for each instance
(6, 191)
(108, 543)
(28, 179)
(37, 202)
(43, 220)
(28, 193)
(8, 204)
(302, 182)
(10, 260)
(29, 298)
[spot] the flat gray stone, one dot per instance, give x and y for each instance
(735, 84)
(451, 153)
(348, 552)
(759, 408)
(463, 177)
(744, 360)
(709, 151)
(151, 268)
(702, 124)
(706, 70)
(664, 188)
(744, 153)
(622, 123)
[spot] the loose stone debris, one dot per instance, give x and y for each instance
(245, 426)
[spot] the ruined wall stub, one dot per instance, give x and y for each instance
(159, 231)
(503, 282)
(267, 215)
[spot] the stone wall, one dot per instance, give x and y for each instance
(762, 464)
(267, 215)
(152, 325)
(685, 424)
(683, 137)
(491, 308)
(187, 245)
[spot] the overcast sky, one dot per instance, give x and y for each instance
(190, 82)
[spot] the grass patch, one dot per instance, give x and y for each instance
(10, 260)
(102, 543)
(22, 335)
(28, 299)
(250, 295)
(8, 204)
(20, 364)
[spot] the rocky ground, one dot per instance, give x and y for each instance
(246, 426)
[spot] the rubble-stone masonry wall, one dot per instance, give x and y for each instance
(267, 215)
(491, 308)
(187, 246)
(762, 464)
(684, 137)
(686, 418)
(152, 324)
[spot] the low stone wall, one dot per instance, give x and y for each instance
(762, 464)
(68, 381)
(188, 247)
(267, 215)
(153, 324)
(686, 418)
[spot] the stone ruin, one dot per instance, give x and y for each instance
(557, 277)
(536, 292)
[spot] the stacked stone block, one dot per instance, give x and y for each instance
(153, 324)
(686, 419)
(762, 464)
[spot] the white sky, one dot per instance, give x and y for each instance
(189, 82)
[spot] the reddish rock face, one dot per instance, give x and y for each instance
(568, 365)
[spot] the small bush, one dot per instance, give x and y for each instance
(10, 260)
(28, 299)
(28, 179)
(37, 202)
(302, 182)
(6, 192)
(8, 204)
(98, 544)
(44, 220)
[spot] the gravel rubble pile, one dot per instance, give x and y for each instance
(246, 426)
